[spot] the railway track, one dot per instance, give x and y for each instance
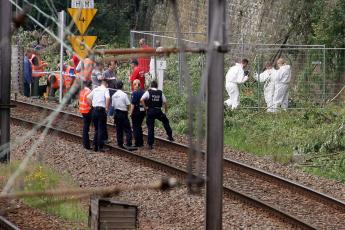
(255, 194)
(181, 174)
(7, 225)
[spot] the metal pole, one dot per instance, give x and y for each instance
(324, 73)
(179, 68)
(61, 33)
(215, 116)
(5, 77)
(132, 39)
(258, 83)
(155, 58)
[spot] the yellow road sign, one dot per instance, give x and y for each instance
(82, 17)
(82, 44)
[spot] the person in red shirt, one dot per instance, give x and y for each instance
(137, 73)
(144, 62)
(75, 60)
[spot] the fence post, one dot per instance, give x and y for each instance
(132, 38)
(5, 79)
(324, 73)
(258, 82)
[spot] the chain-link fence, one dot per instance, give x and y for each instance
(308, 84)
(168, 39)
(317, 71)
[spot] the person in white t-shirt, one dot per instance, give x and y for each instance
(99, 98)
(121, 105)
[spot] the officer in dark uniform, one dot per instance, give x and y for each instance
(153, 100)
(137, 113)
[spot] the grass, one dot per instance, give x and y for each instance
(38, 178)
(311, 132)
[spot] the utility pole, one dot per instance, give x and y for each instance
(5, 77)
(62, 37)
(215, 114)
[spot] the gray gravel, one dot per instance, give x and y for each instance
(158, 210)
(331, 187)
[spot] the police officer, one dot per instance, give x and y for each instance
(153, 100)
(137, 113)
(121, 103)
(100, 100)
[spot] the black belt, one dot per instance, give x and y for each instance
(99, 108)
(122, 111)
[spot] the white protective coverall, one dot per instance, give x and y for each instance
(269, 77)
(234, 76)
(281, 91)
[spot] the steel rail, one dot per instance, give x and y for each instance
(156, 164)
(7, 225)
(229, 163)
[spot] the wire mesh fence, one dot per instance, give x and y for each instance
(308, 83)
(316, 70)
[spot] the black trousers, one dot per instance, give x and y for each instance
(35, 86)
(151, 116)
(137, 121)
(105, 134)
(26, 89)
(122, 125)
(87, 119)
(99, 118)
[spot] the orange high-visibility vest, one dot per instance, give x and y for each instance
(38, 68)
(56, 83)
(86, 70)
(84, 107)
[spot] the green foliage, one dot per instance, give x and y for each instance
(327, 23)
(43, 178)
(39, 178)
(308, 132)
(313, 132)
(177, 98)
(329, 26)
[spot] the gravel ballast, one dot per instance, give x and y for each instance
(174, 209)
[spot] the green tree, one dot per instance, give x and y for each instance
(329, 23)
